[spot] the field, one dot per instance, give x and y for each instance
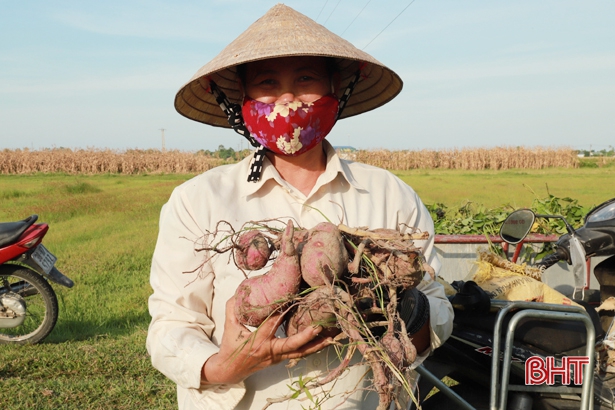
(103, 230)
(518, 188)
(135, 161)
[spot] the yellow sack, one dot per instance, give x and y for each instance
(504, 280)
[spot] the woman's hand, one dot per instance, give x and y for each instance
(243, 352)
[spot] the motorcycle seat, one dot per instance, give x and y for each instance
(549, 337)
(11, 231)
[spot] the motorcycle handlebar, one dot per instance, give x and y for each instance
(549, 260)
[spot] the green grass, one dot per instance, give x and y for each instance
(103, 229)
(596, 162)
(590, 186)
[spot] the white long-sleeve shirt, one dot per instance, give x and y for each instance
(190, 292)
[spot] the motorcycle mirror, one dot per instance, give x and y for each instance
(603, 212)
(516, 227)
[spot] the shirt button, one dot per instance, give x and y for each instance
(316, 362)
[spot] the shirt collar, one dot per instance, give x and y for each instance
(335, 166)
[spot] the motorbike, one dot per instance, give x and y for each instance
(499, 349)
(28, 303)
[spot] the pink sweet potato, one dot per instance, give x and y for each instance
(260, 296)
(323, 256)
(252, 250)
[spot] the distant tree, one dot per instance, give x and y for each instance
(225, 153)
(228, 154)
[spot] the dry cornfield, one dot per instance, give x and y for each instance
(498, 158)
(102, 161)
(97, 161)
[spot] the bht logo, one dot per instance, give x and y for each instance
(539, 370)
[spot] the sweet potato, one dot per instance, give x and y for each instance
(323, 255)
(394, 349)
(315, 309)
(405, 267)
(258, 297)
(252, 250)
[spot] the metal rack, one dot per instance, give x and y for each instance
(540, 311)
(500, 377)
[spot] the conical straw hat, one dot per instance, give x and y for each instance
(284, 32)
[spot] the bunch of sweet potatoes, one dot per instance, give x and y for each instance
(344, 279)
(315, 257)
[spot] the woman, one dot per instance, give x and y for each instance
(292, 90)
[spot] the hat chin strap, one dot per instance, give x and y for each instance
(232, 112)
(348, 91)
(235, 120)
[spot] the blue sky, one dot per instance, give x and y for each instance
(82, 74)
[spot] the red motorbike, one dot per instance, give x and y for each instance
(28, 303)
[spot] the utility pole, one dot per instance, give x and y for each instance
(162, 129)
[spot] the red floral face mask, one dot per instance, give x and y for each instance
(290, 128)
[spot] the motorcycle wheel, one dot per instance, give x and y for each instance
(41, 305)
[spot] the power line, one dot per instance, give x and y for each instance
(355, 18)
(323, 7)
(338, 3)
(409, 4)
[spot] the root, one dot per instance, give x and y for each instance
(337, 372)
(383, 234)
